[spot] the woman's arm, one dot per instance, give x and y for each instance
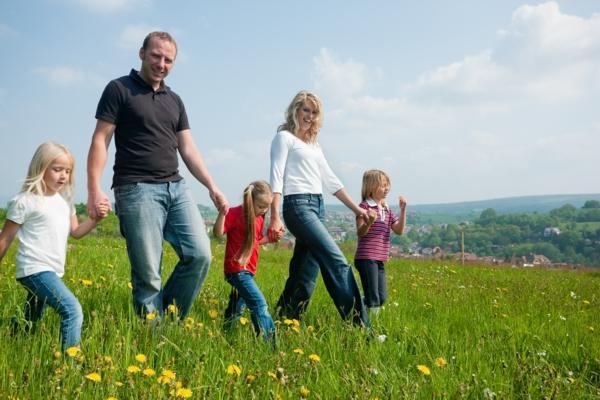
(345, 198)
(363, 225)
(7, 236)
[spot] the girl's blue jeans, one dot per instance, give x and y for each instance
(245, 293)
(148, 214)
(47, 289)
(316, 250)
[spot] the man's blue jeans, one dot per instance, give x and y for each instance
(244, 293)
(315, 249)
(47, 289)
(149, 213)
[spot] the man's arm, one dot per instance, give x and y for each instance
(97, 156)
(195, 163)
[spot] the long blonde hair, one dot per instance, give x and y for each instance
(45, 154)
(291, 115)
(256, 192)
(371, 181)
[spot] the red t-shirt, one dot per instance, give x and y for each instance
(235, 228)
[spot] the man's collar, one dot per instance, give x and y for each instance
(135, 75)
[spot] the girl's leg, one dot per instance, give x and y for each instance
(255, 300)
(234, 309)
(51, 290)
(382, 286)
(369, 277)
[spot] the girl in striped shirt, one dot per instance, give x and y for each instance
(374, 237)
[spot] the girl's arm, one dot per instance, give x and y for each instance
(79, 230)
(398, 226)
(219, 224)
(7, 236)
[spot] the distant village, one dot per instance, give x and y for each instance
(341, 226)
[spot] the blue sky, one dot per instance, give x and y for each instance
(458, 101)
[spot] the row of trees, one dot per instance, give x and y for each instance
(514, 235)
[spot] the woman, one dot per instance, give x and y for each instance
(299, 171)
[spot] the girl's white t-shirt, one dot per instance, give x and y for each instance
(45, 225)
(299, 167)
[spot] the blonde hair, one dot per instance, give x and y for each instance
(291, 115)
(45, 154)
(256, 192)
(372, 180)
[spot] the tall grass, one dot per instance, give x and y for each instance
(479, 332)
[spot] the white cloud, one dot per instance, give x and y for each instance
(338, 78)
(132, 36)
(61, 76)
(110, 6)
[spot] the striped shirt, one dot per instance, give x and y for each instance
(375, 245)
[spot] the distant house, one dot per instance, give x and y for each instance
(551, 231)
(337, 233)
(540, 260)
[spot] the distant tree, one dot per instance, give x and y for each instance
(487, 216)
(591, 204)
(565, 213)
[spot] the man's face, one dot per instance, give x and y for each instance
(157, 61)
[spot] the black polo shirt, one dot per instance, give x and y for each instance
(147, 123)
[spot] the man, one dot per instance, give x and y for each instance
(152, 202)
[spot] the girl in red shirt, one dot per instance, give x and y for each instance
(244, 228)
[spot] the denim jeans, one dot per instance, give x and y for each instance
(245, 293)
(372, 276)
(315, 249)
(47, 289)
(149, 213)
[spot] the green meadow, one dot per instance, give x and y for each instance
(452, 332)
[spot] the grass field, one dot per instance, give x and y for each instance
(452, 332)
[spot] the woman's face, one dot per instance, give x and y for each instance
(306, 115)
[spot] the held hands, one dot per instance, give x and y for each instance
(98, 205)
(219, 200)
(102, 209)
(371, 216)
(275, 231)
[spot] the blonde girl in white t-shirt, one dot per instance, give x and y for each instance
(42, 216)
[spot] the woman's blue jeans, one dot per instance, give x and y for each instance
(315, 249)
(245, 292)
(47, 289)
(149, 213)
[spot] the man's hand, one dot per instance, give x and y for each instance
(98, 204)
(219, 200)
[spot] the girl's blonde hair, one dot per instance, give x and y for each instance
(45, 154)
(256, 192)
(291, 115)
(372, 180)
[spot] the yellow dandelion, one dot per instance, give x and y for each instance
(149, 372)
(86, 282)
(133, 369)
(94, 377)
(73, 351)
(183, 393)
(167, 373)
(213, 301)
(108, 359)
(423, 369)
(172, 308)
(150, 316)
(299, 351)
(233, 369)
(288, 322)
(189, 321)
(243, 320)
(250, 378)
(111, 398)
(57, 354)
(272, 375)
(129, 285)
(303, 392)
(310, 329)
(314, 358)
(296, 329)
(141, 358)
(295, 322)
(118, 384)
(213, 313)
(441, 362)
